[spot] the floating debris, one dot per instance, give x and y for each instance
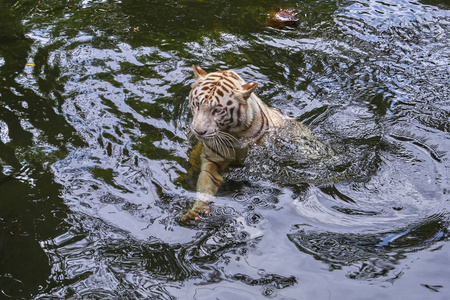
(282, 18)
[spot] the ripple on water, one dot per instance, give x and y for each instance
(407, 186)
(368, 77)
(372, 255)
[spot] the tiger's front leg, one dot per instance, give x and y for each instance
(209, 179)
(208, 183)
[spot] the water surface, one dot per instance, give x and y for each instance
(94, 149)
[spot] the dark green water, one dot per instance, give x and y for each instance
(93, 137)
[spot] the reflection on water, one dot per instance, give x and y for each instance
(94, 147)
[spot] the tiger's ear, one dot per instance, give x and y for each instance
(199, 72)
(247, 90)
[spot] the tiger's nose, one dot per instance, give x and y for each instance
(199, 132)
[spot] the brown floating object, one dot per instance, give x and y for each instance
(282, 18)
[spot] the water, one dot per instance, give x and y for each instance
(93, 141)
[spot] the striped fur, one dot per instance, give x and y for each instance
(227, 115)
(227, 118)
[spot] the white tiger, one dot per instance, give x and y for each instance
(227, 118)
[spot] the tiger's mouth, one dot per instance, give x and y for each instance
(220, 141)
(204, 135)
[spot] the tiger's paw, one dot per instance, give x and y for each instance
(194, 213)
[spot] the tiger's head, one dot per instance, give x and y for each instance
(218, 102)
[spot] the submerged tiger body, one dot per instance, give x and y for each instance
(227, 118)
